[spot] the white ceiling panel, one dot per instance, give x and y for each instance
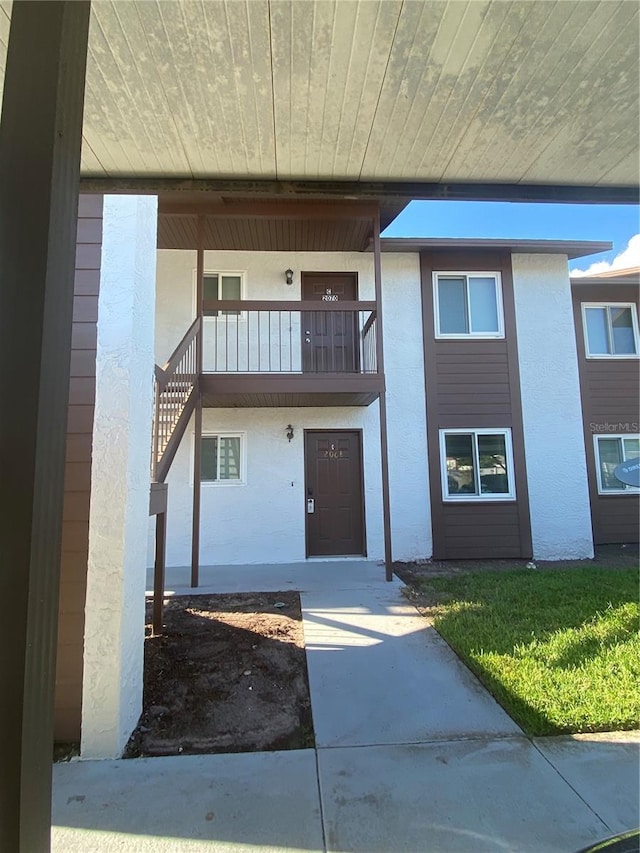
(329, 61)
(587, 104)
(453, 91)
(445, 58)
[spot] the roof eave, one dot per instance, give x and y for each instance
(571, 248)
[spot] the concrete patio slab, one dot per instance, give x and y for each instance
(268, 801)
(604, 770)
(310, 575)
(473, 796)
(378, 674)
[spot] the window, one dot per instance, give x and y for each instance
(221, 459)
(477, 464)
(610, 331)
(219, 285)
(468, 305)
(611, 450)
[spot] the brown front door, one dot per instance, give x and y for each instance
(334, 496)
(329, 339)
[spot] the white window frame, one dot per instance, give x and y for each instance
(221, 317)
(623, 490)
(482, 497)
(467, 274)
(634, 324)
(225, 484)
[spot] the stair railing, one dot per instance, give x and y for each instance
(175, 384)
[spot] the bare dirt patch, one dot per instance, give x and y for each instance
(229, 674)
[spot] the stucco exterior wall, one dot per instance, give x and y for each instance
(551, 408)
(114, 628)
(263, 519)
(406, 413)
(272, 498)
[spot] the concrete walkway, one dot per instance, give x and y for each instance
(412, 754)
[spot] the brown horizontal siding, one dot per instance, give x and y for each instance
(83, 363)
(75, 507)
(616, 519)
(90, 207)
(79, 419)
(75, 568)
(88, 256)
(73, 595)
(67, 718)
(82, 391)
(85, 309)
(67, 667)
(78, 447)
(474, 384)
(75, 529)
(87, 282)
(74, 536)
(472, 379)
(89, 232)
(84, 336)
(490, 530)
(610, 391)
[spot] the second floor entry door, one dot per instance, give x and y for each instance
(330, 339)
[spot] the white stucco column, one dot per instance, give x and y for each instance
(114, 613)
(551, 409)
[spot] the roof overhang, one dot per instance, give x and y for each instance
(270, 225)
(610, 278)
(493, 100)
(571, 248)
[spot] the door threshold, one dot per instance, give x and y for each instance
(324, 559)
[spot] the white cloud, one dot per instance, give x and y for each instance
(630, 257)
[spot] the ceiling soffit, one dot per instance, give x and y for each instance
(442, 92)
(266, 225)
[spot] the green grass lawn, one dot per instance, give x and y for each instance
(560, 650)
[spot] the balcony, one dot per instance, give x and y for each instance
(267, 354)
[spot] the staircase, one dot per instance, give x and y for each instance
(176, 394)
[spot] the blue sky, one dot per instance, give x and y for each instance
(616, 223)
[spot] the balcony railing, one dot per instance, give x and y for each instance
(289, 337)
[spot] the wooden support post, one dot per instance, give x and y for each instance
(384, 452)
(195, 531)
(158, 507)
(197, 444)
(40, 138)
(158, 572)
(200, 291)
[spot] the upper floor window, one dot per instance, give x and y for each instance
(611, 450)
(468, 305)
(610, 330)
(222, 285)
(477, 464)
